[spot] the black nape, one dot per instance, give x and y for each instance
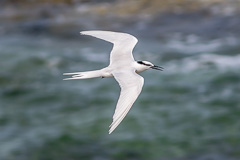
(140, 62)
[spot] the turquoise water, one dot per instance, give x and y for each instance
(189, 111)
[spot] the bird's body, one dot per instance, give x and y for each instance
(122, 67)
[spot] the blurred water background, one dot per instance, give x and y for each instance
(188, 112)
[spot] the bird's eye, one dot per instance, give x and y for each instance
(140, 62)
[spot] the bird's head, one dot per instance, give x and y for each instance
(144, 65)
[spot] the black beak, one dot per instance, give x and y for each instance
(157, 68)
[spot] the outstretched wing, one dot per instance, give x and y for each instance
(131, 86)
(123, 45)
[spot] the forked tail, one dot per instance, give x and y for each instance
(84, 75)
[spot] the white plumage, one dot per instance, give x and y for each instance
(123, 68)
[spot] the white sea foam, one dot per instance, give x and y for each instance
(193, 44)
(203, 61)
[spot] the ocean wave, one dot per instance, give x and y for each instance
(204, 61)
(193, 44)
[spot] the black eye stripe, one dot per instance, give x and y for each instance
(141, 62)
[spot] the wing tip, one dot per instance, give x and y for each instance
(87, 32)
(82, 33)
(111, 130)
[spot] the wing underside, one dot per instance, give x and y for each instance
(131, 85)
(123, 44)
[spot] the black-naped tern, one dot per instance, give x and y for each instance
(123, 68)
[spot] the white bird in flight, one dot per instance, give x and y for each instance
(123, 68)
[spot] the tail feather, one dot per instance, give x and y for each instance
(84, 75)
(73, 78)
(72, 73)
